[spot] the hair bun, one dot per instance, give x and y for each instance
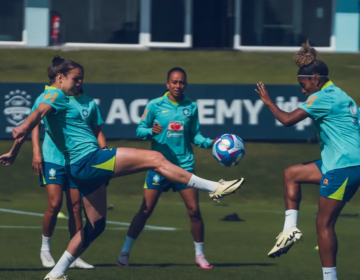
(305, 55)
(56, 58)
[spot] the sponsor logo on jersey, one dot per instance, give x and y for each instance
(175, 129)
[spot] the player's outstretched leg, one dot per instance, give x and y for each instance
(137, 224)
(95, 209)
(55, 198)
(74, 206)
(129, 161)
(191, 200)
(294, 176)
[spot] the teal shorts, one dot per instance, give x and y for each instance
(155, 181)
(339, 184)
(55, 174)
(92, 171)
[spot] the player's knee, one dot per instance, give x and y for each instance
(76, 207)
(194, 213)
(158, 160)
(289, 174)
(54, 205)
(146, 211)
(92, 232)
(323, 222)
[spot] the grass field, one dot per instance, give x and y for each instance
(238, 250)
(212, 67)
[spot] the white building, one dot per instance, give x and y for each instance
(331, 25)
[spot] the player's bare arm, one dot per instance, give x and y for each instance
(287, 119)
(31, 121)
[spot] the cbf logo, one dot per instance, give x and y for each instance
(17, 108)
(186, 112)
(52, 173)
(156, 179)
(85, 113)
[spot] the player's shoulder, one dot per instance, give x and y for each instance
(88, 99)
(157, 102)
(190, 103)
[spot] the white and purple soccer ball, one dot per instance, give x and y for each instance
(228, 150)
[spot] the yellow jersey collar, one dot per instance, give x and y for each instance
(328, 83)
(51, 87)
(173, 102)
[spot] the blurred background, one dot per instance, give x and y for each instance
(226, 47)
(206, 24)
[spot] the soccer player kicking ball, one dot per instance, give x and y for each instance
(172, 124)
(90, 167)
(49, 165)
(337, 173)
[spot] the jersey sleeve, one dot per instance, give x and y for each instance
(36, 104)
(317, 105)
(144, 129)
(55, 99)
(195, 134)
(96, 118)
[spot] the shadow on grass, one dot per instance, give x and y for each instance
(180, 264)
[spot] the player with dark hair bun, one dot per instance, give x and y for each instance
(336, 119)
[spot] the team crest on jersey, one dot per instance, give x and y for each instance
(186, 112)
(85, 113)
(17, 108)
(52, 173)
(156, 179)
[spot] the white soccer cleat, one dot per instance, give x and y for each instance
(284, 242)
(225, 188)
(46, 259)
(48, 277)
(79, 263)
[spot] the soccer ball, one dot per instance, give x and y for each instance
(228, 150)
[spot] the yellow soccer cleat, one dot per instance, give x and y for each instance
(284, 242)
(225, 188)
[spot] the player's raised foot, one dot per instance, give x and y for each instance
(79, 263)
(284, 242)
(202, 262)
(225, 188)
(49, 277)
(123, 259)
(46, 259)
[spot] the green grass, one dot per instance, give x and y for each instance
(29, 65)
(238, 250)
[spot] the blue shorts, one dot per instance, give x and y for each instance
(92, 171)
(155, 181)
(339, 184)
(55, 174)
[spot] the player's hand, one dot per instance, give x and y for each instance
(37, 163)
(263, 93)
(19, 133)
(8, 158)
(156, 129)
